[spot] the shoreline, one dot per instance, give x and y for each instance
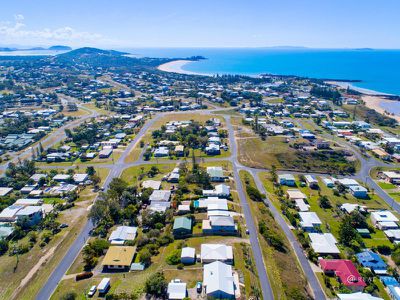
(372, 99)
(175, 66)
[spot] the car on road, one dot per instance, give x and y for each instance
(63, 225)
(247, 231)
(92, 291)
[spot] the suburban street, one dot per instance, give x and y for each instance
(117, 168)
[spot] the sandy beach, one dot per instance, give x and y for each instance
(375, 102)
(176, 67)
(345, 85)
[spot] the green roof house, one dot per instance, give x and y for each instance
(182, 227)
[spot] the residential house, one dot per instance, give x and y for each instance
(122, 234)
(182, 227)
(324, 244)
(287, 179)
(346, 272)
(312, 182)
(309, 221)
(384, 219)
(216, 252)
(188, 255)
(160, 195)
(29, 215)
(219, 225)
(218, 281)
(372, 261)
(220, 190)
(176, 290)
(118, 258)
(216, 174)
(359, 191)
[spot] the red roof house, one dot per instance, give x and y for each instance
(345, 270)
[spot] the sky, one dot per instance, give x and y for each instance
(206, 23)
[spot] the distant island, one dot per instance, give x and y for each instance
(52, 48)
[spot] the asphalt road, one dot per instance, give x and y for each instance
(255, 245)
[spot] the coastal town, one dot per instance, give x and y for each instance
(129, 178)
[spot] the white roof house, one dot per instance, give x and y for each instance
(176, 289)
(216, 252)
(357, 296)
(79, 178)
(4, 191)
(301, 205)
(323, 243)
(154, 184)
(350, 207)
(160, 195)
(61, 177)
(9, 214)
(204, 203)
(220, 190)
(393, 235)
(347, 182)
(27, 202)
(218, 280)
(37, 177)
(122, 234)
(188, 255)
(295, 194)
(379, 217)
(309, 220)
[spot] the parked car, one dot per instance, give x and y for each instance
(199, 287)
(92, 291)
(63, 225)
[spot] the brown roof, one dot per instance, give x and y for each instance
(119, 256)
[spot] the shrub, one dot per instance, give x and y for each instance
(174, 258)
(83, 275)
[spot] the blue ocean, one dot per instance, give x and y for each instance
(378, 70)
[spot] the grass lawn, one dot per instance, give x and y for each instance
(280, 265)
(131, 175)
(386, 185)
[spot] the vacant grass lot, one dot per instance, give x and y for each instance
(35, 266)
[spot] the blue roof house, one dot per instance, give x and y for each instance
(389, 280)
(372, 260)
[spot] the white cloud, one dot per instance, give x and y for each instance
(18, 33)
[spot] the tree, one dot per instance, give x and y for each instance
(156, 285)
(3, 246)
(145, 257)
(90, 170)
(118, 186)
(95, 179)
(324, 202)
(174, 258)
(347, 233)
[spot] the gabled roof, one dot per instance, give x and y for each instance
(344, 269)
(216, 252)
(182, 222)
(218, 276)
(123, 233)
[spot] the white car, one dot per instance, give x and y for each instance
(92, 291)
